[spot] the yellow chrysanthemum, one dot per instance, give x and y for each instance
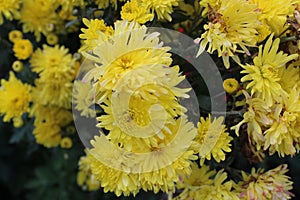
(151, 168)
(84, 98)
(289, 78)
(133, 11)
(57, 70)
(53, 64)
(233, 25)
(256, 117)
(231, 85)
(150, 110)
(85, 179)
(162, 8)
(190, 184)
(54, 94)
(9, 9)
(170, 159)
(260, 185)
(37, 15)
(130, 48)
(284, 132)
(218, 190)
(95, 33)
(165, 178)
(48, 124)
(15, 35)
(48, 135)
(113, 180)
(213, 139)
(274, 128)
(23, 49)
(263, 76)
(273, 16)
(15, 97)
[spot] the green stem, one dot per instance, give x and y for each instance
(5, 42)
(286, 39)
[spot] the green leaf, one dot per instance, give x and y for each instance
(17, 136)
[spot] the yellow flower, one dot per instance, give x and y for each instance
(232, 26)
(37, 15)
(85, 179)
(135, 124)
(66, 143)
(151, 168)
(15, 97)
(256, 117)
(289, 78)
(231, 85)
(96, 33)
(9, 9)
(17, 66)
(46, 134)
(53, 64)
(260, 185)
(162, 8)
(273, 128)
(111, 179)
(133, 11)
(53, 93)
(23, 49)
(52, 39)
(15, 35)
(218, 190)
(284, 133)
(273, 16)
(213, 139)
(263, 76)
(84, 99)
(56, 68)
(170, 159)
(190, 184)
(48, 124)
(140, 55)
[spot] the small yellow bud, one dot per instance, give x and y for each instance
(231, 85)
(15, 35)
(52, 39)
(66, 143)
(17, 66)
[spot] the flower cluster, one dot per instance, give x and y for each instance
(237, 24)
(145, 120)
(49, 98)
(272, 115)
(273, 184)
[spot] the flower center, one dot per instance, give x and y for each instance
(269, 72)
(126, 63)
